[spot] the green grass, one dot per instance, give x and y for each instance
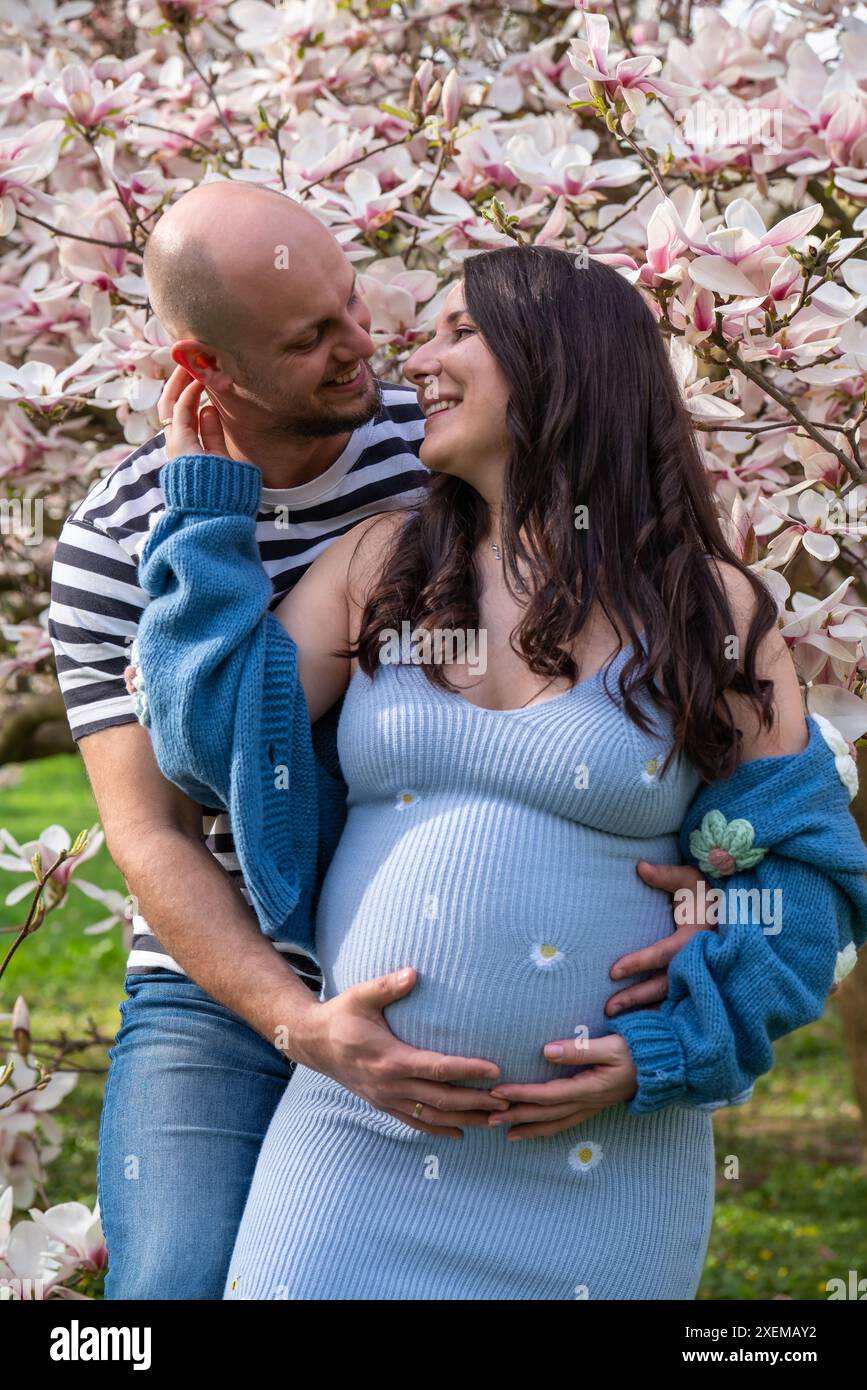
(66, 977)
(795, 1216)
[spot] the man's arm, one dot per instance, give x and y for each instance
(153, 832)
(154, 835)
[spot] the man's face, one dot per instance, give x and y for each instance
(310, 326)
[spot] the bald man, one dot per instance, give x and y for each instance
(263, 308)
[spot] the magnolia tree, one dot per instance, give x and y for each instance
(715, 155)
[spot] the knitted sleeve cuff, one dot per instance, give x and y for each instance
(210, 483)
(658, 1058)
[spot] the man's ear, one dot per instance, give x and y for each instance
(201, 363)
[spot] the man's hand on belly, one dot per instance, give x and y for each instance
(688, 911)
(348, 1039)
(553, 1106)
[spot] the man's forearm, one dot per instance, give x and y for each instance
(201, 919)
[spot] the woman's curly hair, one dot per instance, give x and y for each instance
(596, 420)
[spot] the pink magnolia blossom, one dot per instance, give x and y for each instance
(721, 54)
(392, 294)
(733, 259)
(49, 845)
(42, 387)
(87, 100)
(26, 1111)
(78, 1230)
(362, 202)
(700, 394)
(455, 222)
(260, 26)
(451, 99)
(100, 217)
(481, 153)
(25, 161)
(32, 1262)
(568, 171)
(32, 646)
(628, 80)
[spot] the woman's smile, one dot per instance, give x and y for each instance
(438, 409)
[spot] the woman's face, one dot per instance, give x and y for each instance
(464, 395)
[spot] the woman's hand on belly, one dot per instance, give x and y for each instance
(689, 910)
(611, 1077)
(557, 1105)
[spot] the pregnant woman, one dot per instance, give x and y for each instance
(497, 808)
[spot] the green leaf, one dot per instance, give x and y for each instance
(396, 111)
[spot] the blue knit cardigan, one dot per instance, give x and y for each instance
(221, 696)
(792, 912)
(228, 722)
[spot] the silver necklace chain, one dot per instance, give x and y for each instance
(522, 588)
(499, 555)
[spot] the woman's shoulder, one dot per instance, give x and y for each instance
(354, 560)
(365, 548)
(375, 532)
(772, 661)
(737, 587)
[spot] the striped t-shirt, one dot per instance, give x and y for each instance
(96, 599)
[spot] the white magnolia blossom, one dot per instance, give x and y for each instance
(49, 846)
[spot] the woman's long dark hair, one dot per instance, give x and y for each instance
(596, 420)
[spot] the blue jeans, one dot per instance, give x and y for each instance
(190, 1092)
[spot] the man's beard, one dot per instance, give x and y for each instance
(318, 424)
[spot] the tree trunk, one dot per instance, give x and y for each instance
(852, 1003)
(34, 726)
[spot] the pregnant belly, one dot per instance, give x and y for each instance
(512, 919)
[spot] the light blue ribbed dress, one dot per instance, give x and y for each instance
(495, 851)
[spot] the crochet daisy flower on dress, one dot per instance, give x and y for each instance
(721, 846)
(544, 955)
(585, 1156)
(847, 768)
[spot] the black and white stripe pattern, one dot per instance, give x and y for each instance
(96, 599)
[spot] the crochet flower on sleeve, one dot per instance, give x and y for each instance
(722, 846)
(847, 768)
(134, 681)
(847, 959)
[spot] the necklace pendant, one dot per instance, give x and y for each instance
(522, 588)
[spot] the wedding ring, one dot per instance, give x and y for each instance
(419, 1107)
(166, 422)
